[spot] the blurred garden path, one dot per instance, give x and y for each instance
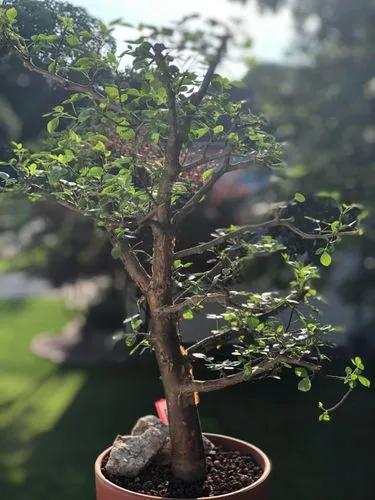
(20, 285)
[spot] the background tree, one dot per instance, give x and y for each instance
(323, 108)
(52, 249)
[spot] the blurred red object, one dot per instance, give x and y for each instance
(161, 410)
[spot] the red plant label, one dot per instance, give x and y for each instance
(161, 410)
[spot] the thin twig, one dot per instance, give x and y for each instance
(202, 191)
(342, 400)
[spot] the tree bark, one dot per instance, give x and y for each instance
(188, 458)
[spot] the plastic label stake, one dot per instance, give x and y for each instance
(161, 410)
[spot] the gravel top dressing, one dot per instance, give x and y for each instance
(227, 471)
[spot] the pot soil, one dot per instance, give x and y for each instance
(230, 472)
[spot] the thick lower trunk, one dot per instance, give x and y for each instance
(188, 458)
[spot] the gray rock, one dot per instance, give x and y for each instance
(130, 454)
(149, 439)
(146, 422)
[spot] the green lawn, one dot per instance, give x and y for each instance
(53, 422)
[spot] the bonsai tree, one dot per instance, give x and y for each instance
(181, 132)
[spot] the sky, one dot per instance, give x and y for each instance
(271, 33)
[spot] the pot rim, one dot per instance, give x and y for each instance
(266, 472)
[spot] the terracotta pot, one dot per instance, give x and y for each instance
(105, 490)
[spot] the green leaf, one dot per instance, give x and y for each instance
(200, 132)
(72, 40)
(247, 371)
(188, 314)
(11, 14)
(364, 381)
(149, 76)
(100, 146)
(136, 323)
(112, 92)
(96, 172)
(73, 136)
(325, 259)
(177, 264)
(304, 385)
(299, 197)
(68, 155)
(125, 133)
(155, 136)
(324, 417)
(130, 340)
(252, 322)
(116, 252)
(207, 174)
(357, 361)
(218, 129)
(301, 372)
(133, 92)
(52, 125)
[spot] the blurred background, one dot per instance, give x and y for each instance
(66, 388)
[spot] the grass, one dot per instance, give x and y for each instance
(54, 422)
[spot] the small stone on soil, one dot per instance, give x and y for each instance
(130, 454)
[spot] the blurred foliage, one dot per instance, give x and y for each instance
(42, 236)
(27, 95)
(323, 106)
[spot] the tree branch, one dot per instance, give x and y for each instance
(203, 247)
(66, 83)
(174, 142)
(195, 300)
(318, 236)
(212, 341)
(203, 190)
(237, 378)
(196, 97)
(132, 265)
(276, 222)
(202, 161)
(340, 402)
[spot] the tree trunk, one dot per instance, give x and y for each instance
(188, 458)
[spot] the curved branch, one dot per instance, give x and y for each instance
(133, 266)
(195, 300)
(203, 247)
(202, 161)
(238, 378)
(318, 236)
(196, 97)
(203, 190)
(276, 222)
(66, 83)
(339, 403)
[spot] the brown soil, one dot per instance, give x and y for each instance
(227, 471)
